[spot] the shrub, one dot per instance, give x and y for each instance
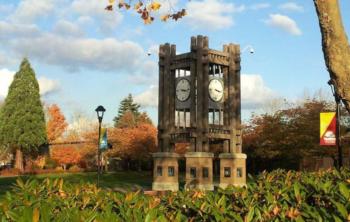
(50, 163)
(75, 168)
(275, 196)
(58, 169)
(10, 172)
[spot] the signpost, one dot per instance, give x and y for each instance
(100, 111)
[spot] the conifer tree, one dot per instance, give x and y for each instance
(22, 120)
(127, 104)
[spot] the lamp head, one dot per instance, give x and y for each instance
(251, 49)
(100, 111)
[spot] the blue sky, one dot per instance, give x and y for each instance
(85, 56)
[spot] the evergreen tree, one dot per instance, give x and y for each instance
(127, 104)
(22, 120)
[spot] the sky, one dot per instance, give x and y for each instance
(85, 56)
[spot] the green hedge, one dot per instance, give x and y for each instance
(276, 196)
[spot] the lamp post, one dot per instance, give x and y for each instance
(332, 84)
(100, 111)
(251, 49)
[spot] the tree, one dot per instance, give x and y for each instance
(336, 48)
(281, 139)
(130, 120)
(56, 123)
(133, 143)
(65, 156)
(127, 105)
(22, 120)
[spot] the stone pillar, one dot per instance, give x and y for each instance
(232, 169)
(165, 171)
(199, 170)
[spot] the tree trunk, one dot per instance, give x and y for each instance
(335, 47)
(19, 160)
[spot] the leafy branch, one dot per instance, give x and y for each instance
(146, 10)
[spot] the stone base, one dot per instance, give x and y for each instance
(199, 170)
(225, 185)
(232, 169)
(159, 186)
(165, 171)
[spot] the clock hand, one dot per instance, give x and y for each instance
(217, 90)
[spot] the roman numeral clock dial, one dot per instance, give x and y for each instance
(183, 90)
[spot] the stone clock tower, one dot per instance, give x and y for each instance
(200, 104)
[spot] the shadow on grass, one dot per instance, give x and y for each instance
(127, 180)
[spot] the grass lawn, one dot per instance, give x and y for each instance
(124, 180)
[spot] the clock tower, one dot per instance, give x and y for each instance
(199, 104)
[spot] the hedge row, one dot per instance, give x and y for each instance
(276, 196)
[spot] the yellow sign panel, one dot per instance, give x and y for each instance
(327, 129)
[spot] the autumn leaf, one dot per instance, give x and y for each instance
(148, 20)
(138, 5)
(109, 8)
(36, 215)
(165, 18)
(127, 6)
(276, 210)
(155, 6)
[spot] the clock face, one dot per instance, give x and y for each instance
(216, 90)
(183, 90)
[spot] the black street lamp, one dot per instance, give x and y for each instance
(337, 98)
(100, 111)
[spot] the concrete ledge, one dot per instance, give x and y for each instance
(205, 186)
(165, 186)
(225, 185)
(199, 186)
(232, 156)
(165, 154)
(199, 154)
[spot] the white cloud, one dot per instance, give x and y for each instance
(254, 92)
(6, 77)
(46, 85)
(106, 54)
(153, 50)
(148, 98)
(6, 60)
(30, 10)
(291, 6)
(167, 5)
(67, 28)
(211, 14)
(259, 6)
(147, 73)
(12, 30)
(284, 23)
(67, 47)
(93, 10)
